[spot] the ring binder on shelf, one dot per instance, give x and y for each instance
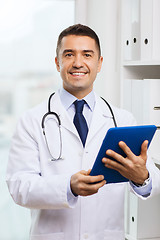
(127, 12)
(146, 29)
(156, 30)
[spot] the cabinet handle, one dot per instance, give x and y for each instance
(157, 108)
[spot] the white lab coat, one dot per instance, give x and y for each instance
(37, 183)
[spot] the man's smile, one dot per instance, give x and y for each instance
(78, 73)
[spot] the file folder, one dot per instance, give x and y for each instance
(127, 29)
(156, 30)
(135, 30)
(146, 29)
(133, 136)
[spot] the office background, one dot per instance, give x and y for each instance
(28, 35)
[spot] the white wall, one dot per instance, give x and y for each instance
(103, 17)
(28, 36)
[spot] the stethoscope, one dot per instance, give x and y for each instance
(59, 126)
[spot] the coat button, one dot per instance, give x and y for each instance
(86, 236)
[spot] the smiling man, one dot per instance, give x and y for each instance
(51, 174)
(78, 61)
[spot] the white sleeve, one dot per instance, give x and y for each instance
(72, 200)
(27, 184)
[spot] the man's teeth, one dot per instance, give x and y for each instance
(77, 74)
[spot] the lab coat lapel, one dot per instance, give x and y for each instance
(67, 123)
(101, 116)
(56, 106)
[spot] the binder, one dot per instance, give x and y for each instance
(141, 21)
(156, 30)
(133, 136)
(135, 30)
(127, 29)
(146, 21)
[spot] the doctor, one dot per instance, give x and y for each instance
(50, 173)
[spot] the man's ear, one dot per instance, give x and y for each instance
(57, 64)
(100, 64)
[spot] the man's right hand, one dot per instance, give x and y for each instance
(84, 185)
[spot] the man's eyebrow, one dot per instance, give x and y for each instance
(71, 50)
(88, 51)
(67, 51)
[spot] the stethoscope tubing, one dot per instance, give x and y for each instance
(59, 126)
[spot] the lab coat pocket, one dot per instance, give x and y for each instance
(52, 236)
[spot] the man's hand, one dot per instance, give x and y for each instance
(132, 167)
(84, 185)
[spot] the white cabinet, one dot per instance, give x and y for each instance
(140, 94)
(142, 98)
(143, 218)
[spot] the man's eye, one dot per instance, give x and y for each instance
(87, 55)
(68, 54)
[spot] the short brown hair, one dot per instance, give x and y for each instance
(78, 30)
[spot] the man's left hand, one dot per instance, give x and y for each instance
(132, 167)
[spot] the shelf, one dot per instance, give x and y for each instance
(141, 63)
(141, 71)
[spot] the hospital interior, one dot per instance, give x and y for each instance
(129, 32)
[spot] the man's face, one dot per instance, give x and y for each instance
(78, 63)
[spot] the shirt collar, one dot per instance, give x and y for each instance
(67, 99)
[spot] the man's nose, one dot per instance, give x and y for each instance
(78, 61)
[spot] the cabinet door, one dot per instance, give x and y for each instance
(143, 100)
(143, 218)
(152, 112)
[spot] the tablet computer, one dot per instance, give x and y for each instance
(133, 136)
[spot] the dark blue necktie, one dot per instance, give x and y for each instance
(79, 121)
